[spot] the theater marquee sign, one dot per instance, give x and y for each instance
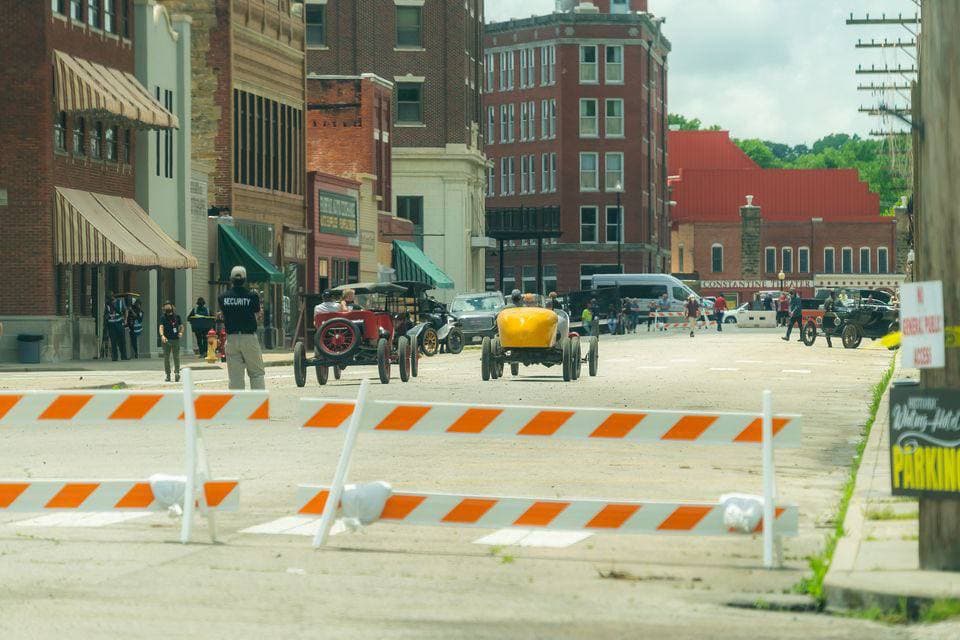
(754, 284)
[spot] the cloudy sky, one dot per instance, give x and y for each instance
(780, 70)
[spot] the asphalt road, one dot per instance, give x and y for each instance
(131, 578)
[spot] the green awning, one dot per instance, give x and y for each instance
(413, 265)
(236, 250)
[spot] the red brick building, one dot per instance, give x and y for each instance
(575, 105)
(802, 222)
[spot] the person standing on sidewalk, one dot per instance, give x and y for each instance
(135, 326)
(200, 322)
(115, 318)
(693, 313)
(719, 309)
(241, 308)
(796, 314)
(663, 306)
(171, 330)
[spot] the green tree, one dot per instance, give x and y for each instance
(759, 152)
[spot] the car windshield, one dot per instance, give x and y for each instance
(476, 303)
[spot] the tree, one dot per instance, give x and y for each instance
(692, 124)
(759, 153)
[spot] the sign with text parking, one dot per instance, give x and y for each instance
(924, 441)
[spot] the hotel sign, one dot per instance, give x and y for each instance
(924, 441)
(338, 214)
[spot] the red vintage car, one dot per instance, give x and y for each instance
(353, 338)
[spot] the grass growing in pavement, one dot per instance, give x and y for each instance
(888, 513)
(935, 611)
(820, 563)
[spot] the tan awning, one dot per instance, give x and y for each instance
(87, 87)
(92, 228)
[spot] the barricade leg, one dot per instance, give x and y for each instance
(343, 466)
(206, 476)
(769, 487)
(190, 436)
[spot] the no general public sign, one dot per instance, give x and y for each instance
(921, 321)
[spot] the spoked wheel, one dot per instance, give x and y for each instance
(300, 364)
(383, 360)
(323, 373)
(338, 337)
(576, 360)
(486, 358)
(566, 356)
(593, 356)
(403, 358)
(429, 342)
(455, 341)
(809, 333)
(514, 368)
(851, 337)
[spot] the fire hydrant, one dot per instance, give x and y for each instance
(211, 346)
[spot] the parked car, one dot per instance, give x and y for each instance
(730, 317)
(477, 313)
(861, 313)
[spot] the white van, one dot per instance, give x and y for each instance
(644, 287)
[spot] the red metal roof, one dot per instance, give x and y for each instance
(704, 150)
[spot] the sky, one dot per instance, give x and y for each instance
(780, 70)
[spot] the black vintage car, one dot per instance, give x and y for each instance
(860, 313)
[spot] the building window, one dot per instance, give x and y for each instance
(544, 173)
(491, 123)
(93, 13)
(553, 172)
(829, 260)
(613, 121)
(864, 259)
(613, 171)
(125, 151)
(588, 172)
(588, 224)
(532, 125)
(716, 258)
(803, 260)
(491, 177)
(523, 68)
(619, 6)
(125, 18)
(409, 101)
(786, 259)
(267, 148)
(544, 119)
(588, 118)
(553, 118)
(60, 132)
(523, 120)
(523, 173)
(549, 278)
(504, 169)
(503, 123)
(512, 167)
(488, 72)
(503, 70)
(58, 6)
(531, 68)
(110, 16)
(883, 265)
(614, 218)
(316, 19)
(529, 279)
(511, 67)
(489, 279)
(588, 64)
(76, 10)
(553, 64)
(533, 173)
(511, 115)
(613, 70)
(770, 260)
(846, 258)
(96, 141)
(409, 22)
(508, 280)
(411, 208)
(110, 144)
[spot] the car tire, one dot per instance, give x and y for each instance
(851, 337)
(455, 341)
(300, 364)
(496, 371)
(576, 358)
(383, 360)
(429, 342)
(337, 370)
(414, 361)
(809, 333)
(403, 358)
(730, 320)
(323, 374)
(593, 356)
(515, 369)
(486, 358)
(566, 355)
(338, 338)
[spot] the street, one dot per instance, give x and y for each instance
(102, 576)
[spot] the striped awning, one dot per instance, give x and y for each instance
(93, 228)
(89, 88)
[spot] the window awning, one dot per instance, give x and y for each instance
(235, 250)
(93, 228)
(93, 89)
(413, 265)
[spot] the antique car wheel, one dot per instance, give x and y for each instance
(300, 364)
(337, 371)
(486, 358)
(429, 342)
(809, 333)
(338, 337)
(403, 358)
(576, 360)
(497, 370)
(455, 341)
(514, 368)
(593, 355)
(567, 358)
(323, 373)
(851, 337)
(383, 360)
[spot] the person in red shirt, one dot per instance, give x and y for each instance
(783, 309)
(693, 313)
(719, 308)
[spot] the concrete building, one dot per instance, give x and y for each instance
(575, 112)
(431, 51)
(72, 228)
(247, 111)
(736, 226)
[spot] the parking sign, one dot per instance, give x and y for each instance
(921, 321)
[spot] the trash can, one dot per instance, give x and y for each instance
(28, 348)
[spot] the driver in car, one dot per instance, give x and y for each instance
(328, 305)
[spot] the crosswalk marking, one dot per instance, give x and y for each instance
(73, 519)
(531, 538)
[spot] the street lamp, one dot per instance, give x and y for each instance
(619, 189)
(781, 277)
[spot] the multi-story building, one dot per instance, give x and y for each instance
(70, 144)
(431, 51)
(737, 227)
(247, 111)
(575, 114)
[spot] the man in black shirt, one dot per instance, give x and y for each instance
(240, 308)
(171, 330)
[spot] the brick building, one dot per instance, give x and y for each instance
(72, 226)
(247, 112)
(575, 111)
(431, 51)
(801, 222)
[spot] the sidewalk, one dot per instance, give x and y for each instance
(275, 358)
(877, 560)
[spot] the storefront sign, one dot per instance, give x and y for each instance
(338, 214)
(924, 441)
(753, 284)
(921, 321)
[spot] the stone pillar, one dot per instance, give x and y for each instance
(750, 239)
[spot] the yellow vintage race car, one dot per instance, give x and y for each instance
(534, 335)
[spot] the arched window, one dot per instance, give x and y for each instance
(716, 257)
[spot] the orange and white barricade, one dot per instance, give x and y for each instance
(678, 320)
(507, 421)
(196, 489)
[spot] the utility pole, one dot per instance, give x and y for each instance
(936, 121)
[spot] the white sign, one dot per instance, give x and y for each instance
(921, 321)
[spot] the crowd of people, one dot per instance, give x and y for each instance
(628, 315)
